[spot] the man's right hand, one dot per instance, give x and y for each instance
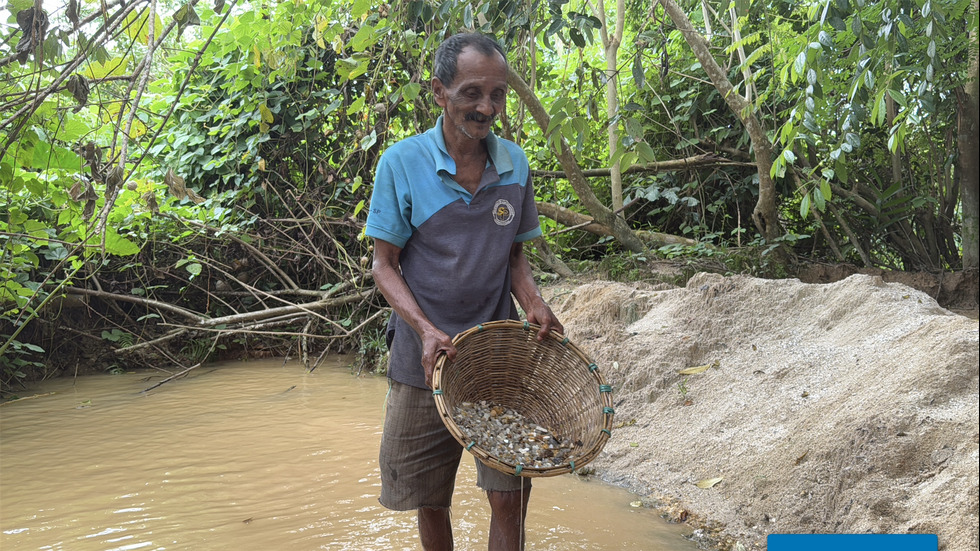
(434, 344)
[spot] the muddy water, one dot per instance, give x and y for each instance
(251, 456)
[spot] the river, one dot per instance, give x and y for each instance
(258, 455)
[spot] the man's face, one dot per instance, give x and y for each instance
(477, 95)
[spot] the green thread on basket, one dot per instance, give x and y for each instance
(608, 410)
(479, 328)
(572, 464)
(518, 469)
(527, 325)
(564, 341)
(593, 367)
(470, 445)
(605, 388)
(606, 431)
(437, 392)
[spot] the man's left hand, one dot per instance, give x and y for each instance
(542, 315)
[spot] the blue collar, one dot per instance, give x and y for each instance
(497, 154)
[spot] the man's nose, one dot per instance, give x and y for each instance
(486, 107)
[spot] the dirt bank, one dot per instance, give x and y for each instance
(845, 407)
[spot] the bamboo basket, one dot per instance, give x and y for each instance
(551, 382)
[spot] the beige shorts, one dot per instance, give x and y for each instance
(419, 457)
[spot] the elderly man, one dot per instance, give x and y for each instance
(449, 213)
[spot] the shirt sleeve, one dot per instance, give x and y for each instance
(529, 227)
(389, 217)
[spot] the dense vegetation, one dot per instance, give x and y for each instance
(178, 180)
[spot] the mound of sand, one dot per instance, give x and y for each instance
(848, 407)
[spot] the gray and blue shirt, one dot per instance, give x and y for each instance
(455, 245)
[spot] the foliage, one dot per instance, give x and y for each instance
(218, 157)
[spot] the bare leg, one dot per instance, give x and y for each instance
(435, 529)
(507, 513)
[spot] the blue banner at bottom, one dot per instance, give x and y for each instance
(852, 542)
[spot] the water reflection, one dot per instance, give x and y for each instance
(258, 455)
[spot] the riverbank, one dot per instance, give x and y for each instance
(846, 407)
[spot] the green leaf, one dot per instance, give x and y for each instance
(357, 105)
(555, 123)
(799, 65)
(826, 39)
(359, 8)
(898, 96)
(646, 152)
(137, 26)
(369, 140)
(638, 76)
(805, 206)
(826, 190)
(266, 114)
(411, 90)
(111, 68)
(818, 199)
(119, 245)
(48, 156)
(364, 38)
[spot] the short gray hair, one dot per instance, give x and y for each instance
(444, 65)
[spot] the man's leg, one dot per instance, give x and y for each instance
(435, 530)
(418, 461)
(507, 513)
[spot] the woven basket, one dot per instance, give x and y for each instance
(550, 382)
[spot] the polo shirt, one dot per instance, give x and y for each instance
(455, 246)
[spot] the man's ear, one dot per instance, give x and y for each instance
(439, 92)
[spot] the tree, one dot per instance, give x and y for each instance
(765, 213)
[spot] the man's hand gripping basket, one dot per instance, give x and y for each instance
(551, 383)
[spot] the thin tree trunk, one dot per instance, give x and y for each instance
(621, 231)
(968, 142)
(764, 214)
(610, 46)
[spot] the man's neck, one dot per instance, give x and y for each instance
(467, 150)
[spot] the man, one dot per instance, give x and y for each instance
(450, 211)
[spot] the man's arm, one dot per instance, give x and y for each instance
(526, 291)
(388, 277)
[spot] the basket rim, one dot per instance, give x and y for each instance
(483, 455)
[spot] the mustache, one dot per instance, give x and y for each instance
(480, 117)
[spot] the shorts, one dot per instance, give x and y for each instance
(419, 457)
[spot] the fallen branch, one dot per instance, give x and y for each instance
(308, 308)
(148, 302)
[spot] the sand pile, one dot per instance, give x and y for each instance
(847, 407)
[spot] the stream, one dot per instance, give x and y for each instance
(258, 455)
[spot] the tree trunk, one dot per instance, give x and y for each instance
(968, 143)
(764, 215)
(621, 231)
(610, 46)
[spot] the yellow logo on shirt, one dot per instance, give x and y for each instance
(503, 212)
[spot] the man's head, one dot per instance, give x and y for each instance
(470, 83)
(444, 66)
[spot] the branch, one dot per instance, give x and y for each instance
(574, 219)
(149, 303)
(622, 232)
(696, 161)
